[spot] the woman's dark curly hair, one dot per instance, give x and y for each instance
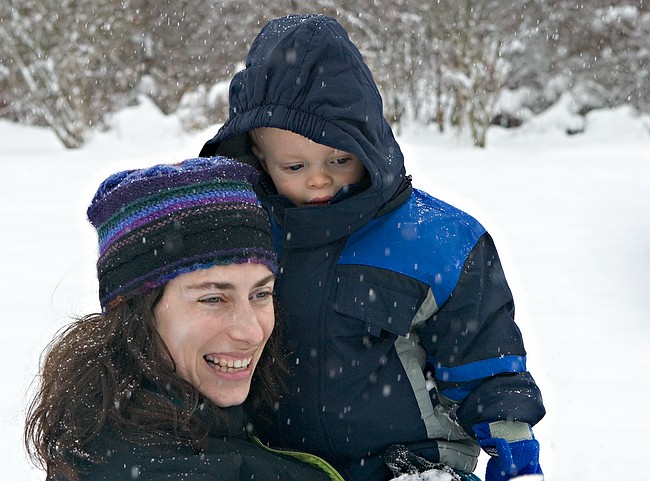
(104, 371)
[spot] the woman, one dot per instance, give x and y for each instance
(159, 384)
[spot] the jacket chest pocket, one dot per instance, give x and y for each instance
(378, 307)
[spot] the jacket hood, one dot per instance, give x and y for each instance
(303, 74)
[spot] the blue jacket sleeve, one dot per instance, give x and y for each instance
(476, 350)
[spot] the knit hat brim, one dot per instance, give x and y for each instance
(155, 224)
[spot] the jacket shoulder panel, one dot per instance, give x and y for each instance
(425, 238)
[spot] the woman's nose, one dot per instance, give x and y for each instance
(245, 326)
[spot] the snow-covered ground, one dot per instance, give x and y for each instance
(570, 216)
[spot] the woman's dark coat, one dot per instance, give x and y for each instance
(227, 455)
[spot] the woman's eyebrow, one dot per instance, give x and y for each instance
(228, 285)
(265, 280)
(211, 285)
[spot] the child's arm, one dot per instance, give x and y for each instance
(477, 353)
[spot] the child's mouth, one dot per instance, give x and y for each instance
(319, 201)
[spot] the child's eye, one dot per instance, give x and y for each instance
(294, 167)
(342, 160)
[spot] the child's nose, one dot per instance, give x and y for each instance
(319, 178)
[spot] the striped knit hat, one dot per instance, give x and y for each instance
(157, 223)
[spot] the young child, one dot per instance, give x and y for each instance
(404, 350)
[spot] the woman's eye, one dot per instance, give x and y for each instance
(211, 300)
(263, 294)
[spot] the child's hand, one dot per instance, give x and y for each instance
(401, 461)
(510, 458)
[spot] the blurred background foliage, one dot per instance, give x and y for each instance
(461, 64)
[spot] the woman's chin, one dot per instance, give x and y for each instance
(227, 398)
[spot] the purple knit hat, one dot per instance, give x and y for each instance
(156, 223)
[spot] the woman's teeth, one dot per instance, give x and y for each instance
(229, 365)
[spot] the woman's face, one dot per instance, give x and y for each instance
(215, 323)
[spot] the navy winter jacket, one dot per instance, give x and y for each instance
(399, 317)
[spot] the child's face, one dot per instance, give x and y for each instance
(306, 172)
